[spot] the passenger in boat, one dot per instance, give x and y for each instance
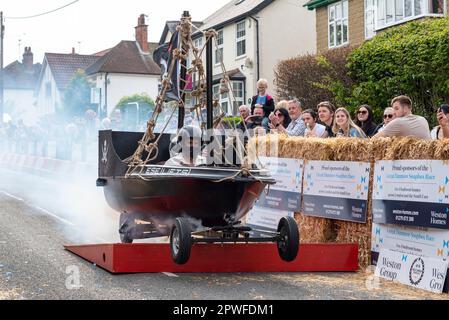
(188, 148)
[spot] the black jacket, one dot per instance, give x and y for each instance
(268, 107)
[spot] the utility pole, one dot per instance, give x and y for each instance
(2, 34)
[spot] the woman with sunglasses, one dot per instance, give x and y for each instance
(282, 117)
(344, 126)
(388, 117)
(364, 120)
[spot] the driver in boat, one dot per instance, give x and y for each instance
(188, 148)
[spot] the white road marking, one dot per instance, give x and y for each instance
(171, 275)
(12, 196)
(54, 216)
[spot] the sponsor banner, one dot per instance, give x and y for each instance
(280, 200)
(419, 272)
(418, 214)
(335, 208)
(266, 218)
(286, 193)
(336, 190)
(412, 192)
(433, 243)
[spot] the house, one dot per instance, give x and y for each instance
(170, 28)
(124, 70)
(57, 71)
(351, 22)
(20, 79)
(253, 36)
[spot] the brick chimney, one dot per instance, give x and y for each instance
(142, 33)
(28, 58)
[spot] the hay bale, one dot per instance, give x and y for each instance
(312, 229)
(315, 230)
(379, 147)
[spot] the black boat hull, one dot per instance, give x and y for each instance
(161, 201)
(159, 194)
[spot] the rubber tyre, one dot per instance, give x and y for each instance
(125, 219)
(288, 247)
(181, 241)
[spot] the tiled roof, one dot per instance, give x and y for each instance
(233, 11)
(64, 66)
(126, 57)
(18, 76)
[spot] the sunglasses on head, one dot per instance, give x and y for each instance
(389, 116)
(362, 112)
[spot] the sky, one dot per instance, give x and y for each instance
(89, 26)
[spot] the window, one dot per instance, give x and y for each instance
(391, 12)
(338, 24)
(239, 94)
(219, 50)
(198, 43)
(223, 99)
(370, 18)
(241, 38)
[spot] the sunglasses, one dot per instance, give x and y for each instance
(389, 116)
(362, 112)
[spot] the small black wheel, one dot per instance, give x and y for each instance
(181, 241)
(288, 244)
(125, 225)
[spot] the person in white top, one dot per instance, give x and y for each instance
(405, 124)
(188, 150)
(313, 129)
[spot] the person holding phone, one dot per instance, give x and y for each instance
(442, 131)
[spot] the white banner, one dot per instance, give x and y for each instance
(337, 179)
(283, 198)
(412, 180)
(266, 218)
(419, 272)
(412, 192)
(433, 243)
(286, 171)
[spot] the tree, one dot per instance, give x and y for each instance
(135, 109)
(315, 78)
(76, 99)
(411, 59)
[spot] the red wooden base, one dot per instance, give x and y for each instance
(149, 258)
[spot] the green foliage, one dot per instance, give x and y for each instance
(411, 59)
(143, 99)
(76, 98)
(315, 78)
(231, 122)
(127, 108)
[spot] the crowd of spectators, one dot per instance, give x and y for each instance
(75, 139)
(325, 121)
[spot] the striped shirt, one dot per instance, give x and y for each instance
(296, 128)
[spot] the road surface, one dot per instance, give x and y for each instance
(39, 215)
